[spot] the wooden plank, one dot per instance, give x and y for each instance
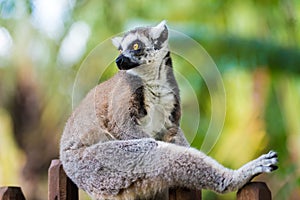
(60, 187)
(11, 193)
(184, 194)
(254, 191)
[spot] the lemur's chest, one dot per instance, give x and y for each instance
(159, 104)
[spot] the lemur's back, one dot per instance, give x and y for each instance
(91, 122)
(124, 140)
(84, 123)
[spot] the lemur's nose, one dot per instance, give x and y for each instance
(121, 61)
(125, 63)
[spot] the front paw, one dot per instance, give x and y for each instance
(265, 163)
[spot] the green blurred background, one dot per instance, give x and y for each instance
(255, 45)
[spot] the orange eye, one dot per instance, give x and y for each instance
(135, 46)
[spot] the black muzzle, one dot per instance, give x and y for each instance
(125, 63)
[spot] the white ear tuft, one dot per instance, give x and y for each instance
(157, 30)
(117, 41)
(162, 23)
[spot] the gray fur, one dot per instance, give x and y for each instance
(124, 140)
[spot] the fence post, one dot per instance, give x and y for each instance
(254, 191)
(60, 187)
(184, 194)
(11, 193)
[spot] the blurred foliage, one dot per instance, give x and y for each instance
(255, 44)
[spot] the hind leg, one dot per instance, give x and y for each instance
(140, 168)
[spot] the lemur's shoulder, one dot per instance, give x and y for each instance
(121, 80)
(122, 90)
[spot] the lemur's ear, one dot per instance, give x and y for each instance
(160, 31)
(117, 41)
(159, 34)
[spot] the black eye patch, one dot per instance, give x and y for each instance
(136, 45)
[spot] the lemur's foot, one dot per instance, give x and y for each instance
(265, 163)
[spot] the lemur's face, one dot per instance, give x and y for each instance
(141, 46)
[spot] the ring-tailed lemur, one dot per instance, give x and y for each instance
(124, 140)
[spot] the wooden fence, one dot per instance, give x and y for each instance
(60, 187)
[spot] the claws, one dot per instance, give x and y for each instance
(272, 154)
(265, 163)
(273, 157)
(274, 167)
(271, 161)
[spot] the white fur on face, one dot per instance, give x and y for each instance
(152, 57)
(132, 37)
(154, 33)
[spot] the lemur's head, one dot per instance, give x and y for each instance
(142, 46)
